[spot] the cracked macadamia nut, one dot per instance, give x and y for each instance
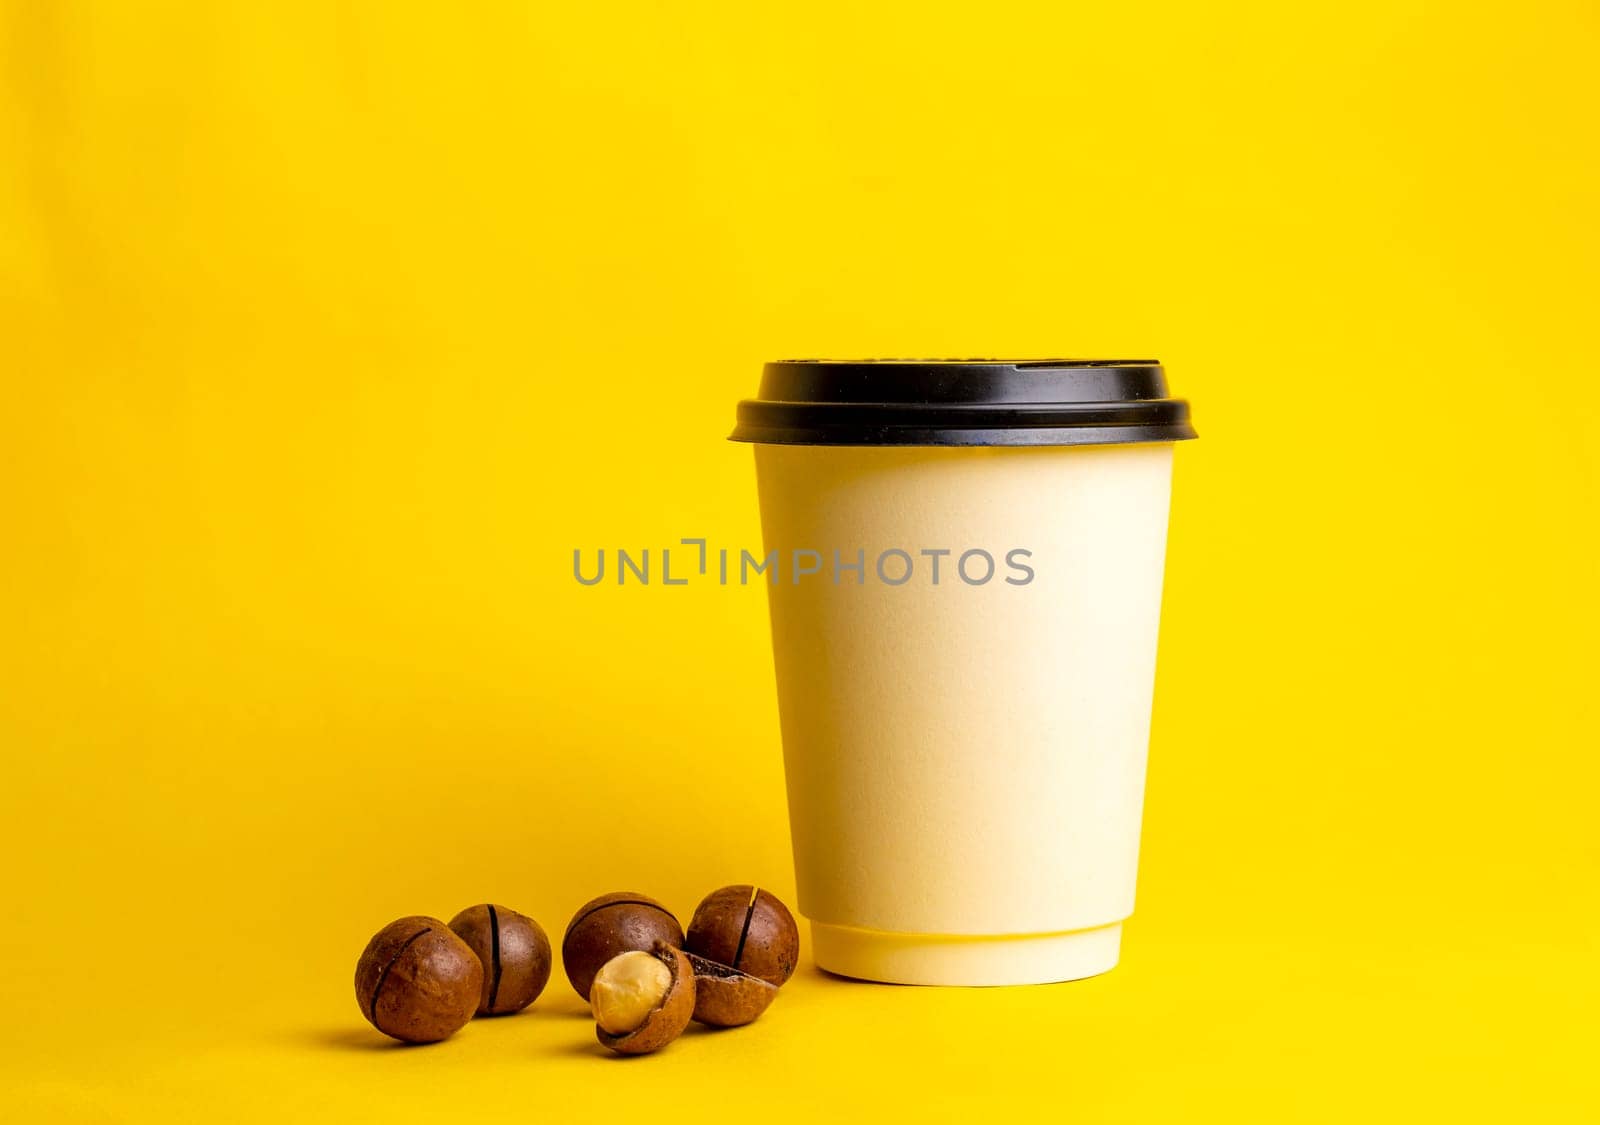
(748, 929)
(725, 997)
(612, 924)
(515, 953)
(417, 981)
(643, 1001)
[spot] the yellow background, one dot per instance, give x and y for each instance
(330, 329)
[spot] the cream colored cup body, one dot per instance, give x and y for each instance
(966, 762)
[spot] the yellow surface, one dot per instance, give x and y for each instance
(330, 330)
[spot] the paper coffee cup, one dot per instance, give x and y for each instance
(965, 563)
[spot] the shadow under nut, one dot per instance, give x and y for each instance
(515, 954)
(611, 924)
(417, 981)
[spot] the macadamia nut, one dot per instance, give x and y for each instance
(627, 989)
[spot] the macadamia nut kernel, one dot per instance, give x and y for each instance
(627, 989)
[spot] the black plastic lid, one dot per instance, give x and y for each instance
(962, 402)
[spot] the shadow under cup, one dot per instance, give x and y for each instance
(964, 562)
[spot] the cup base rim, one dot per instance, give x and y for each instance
(965, 960)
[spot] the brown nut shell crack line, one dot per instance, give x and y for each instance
(494, 955)
(744, 933)
(383, 975)
(593, 910)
